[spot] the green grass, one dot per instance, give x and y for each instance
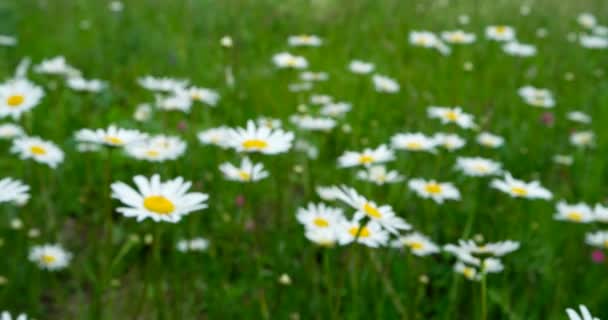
(238, 277)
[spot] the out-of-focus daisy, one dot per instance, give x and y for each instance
(597, 239)
(437, 191)
(287, 60)
(379, 175)
(329, 193)
(586, 20)
(313, 76)
(367, 157)
(160, 201)
(593, 42)
(50, 257)
(5, 315)
(490, 140)
(157, 149)
(579, 213)
(537, 97)
(382, 214)
(335, 109)
(307, 122)
(498, 249)
(449, 141)
(177, 101)
(600, 31)
(360, 67)
(582, 139)
(500, 33)
(259, 139)
(304, 41)
(10, 131)
(270, 123)
(197, 94)
(418, 244)
(56, 66)
(521, 189)
(116, 6)
(195, 244)
(451, 115)
(300, 86)
(385, 84)
(321, 99)
(88, 147)
(311, 150)
(428, 39)
(82, 84)
(17, 97)
(564, 160)
(371, 234)
(7, 41)
(467, 271)
(12, 190)
(478, 167)
(112, 136)
(38, 150)
(162, 84)
(600, 213)
(246, 172)
(218, 136)
(584, 315)
(142, 112)
(458, 37)
(320, 216)
(413, 142)
(578, 116)
(515, 48)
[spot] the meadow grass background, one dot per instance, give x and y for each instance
(238, 277)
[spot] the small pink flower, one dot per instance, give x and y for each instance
(548, 119)
(239, 201)
(598, 256)
(182, 126)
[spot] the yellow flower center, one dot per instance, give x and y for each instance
(159, 204)
(433, 188)
(152, 153)
(15, 100)
(366, 159)
(362, 232)
(254, 144)
(244, 175)
(575, 216)
(458, 37)
(481, 168)
(416, 245)
(113, 140)
(519, 191)
(468, 272)
(451, 115)
(292, 62)
(414, 145)
(48, 259)
(606, 243)
(501, 29)
(321, 223)
(372, 211)
(38, 150)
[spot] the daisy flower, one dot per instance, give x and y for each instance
(196, 244)
(593, 42)
(521, 189)
(38, 150)
(564, 160)
(247, 172)
(428, 39)
(582, 139)
(600, 213)
(7, 41)
(218, 136)
(82, 84)
(204, 95)
(584, 315)
(335, 109)
(418, 244)
(537, 97)
(142, 112)
(587, 20)
(437, 191)
(458, 37)
(56, 66)
(413, 142)
(385, 84)
(500, 33)
(597, 239)
(5, 315)
(300, 86)
(478, 167)
(50, 257)
(470, 273)
(360, 67)
(329, 193)
(449, 141)
(370, 234)
(515, 48)
(490, 140)
(313, 76)
(578, 116)
(259, 139)
(321, 99)
(499, 249)
(367, 157)
(112, 136)
(17, 97)
(179, 100)
(287, 60)
(379, 175)
(382, 214)
(304, 41)
(12, 190)
(160, 201)
(10, 131)
(270, 123)
(157, 148)
(162, 84)
(320, 216)
(326, 237)
(307, 122)
(451, 115)
(579, 213)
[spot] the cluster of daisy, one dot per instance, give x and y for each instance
(176, 94)
(474, 260)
